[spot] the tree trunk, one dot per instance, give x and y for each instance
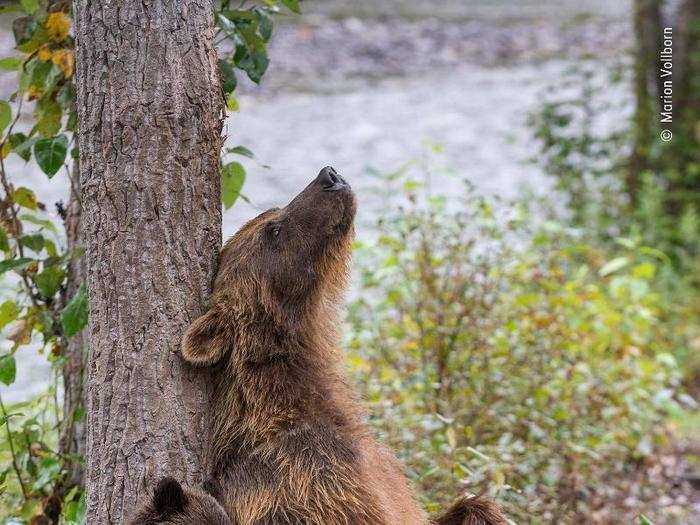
(150, 112)
(72, 432)
(647, 29)
(684, 149)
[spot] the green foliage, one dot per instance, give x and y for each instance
(75, 315)
(8, 369)
(10, 63)
(28, 445)
(232, 179)
(587, 164)
(607, 199)
(593, 169)
(503, 352)
(5, 115)
(51, 154)
(249, 30)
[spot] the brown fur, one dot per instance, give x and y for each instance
(290, 441)
(472, 510)
(170, 504)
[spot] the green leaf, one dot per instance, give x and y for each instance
(49, 281)
(4, 242)
(228, 76)
(244, 16)
(79, 414)
(614, 265)
(5, 115)
(25, 198)
(231, 102)
(74, 511)
(66, 95)
(241, 150)
(251, 55)
(44, 223)
(226, 25)
(34, 241)
(50, 247)
(75, 315)
(264, 24)
(43, 77)
(23, 28)
(39, 72)
(21, 146)
(292, 5)
(30, 6)
(8, 313)
(8, 369)
(48, 113)
(254, 64)
(24, 81)
(11, 264)
(251, 37)
(49, 472)
(10, 63)
(51, 153)
(232, 179)
(72, 125)
(39, 38)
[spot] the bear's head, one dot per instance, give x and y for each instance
(287, 269)
(171, 504)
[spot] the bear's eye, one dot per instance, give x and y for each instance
(274, 231)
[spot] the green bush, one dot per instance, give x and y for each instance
(516, 358)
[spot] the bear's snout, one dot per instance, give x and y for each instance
(329, 180)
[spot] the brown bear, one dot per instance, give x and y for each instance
(170, 504)
(291, 443)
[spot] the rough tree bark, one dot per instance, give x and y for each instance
(150, 113)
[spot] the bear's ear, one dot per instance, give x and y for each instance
(169, 497)
(206, 340)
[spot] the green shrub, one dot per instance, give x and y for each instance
(497, 354)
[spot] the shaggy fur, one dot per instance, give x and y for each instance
(290, 441)
(170, 504)
(472, 510)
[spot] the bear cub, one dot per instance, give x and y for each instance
(170, 504)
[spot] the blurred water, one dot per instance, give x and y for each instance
(477, 113)
(477, 9)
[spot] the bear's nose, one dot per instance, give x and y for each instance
(329, 179)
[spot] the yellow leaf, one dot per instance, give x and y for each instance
(33, 92)
(57, 26)
(231, 102)
(499, 479)
(451, 437)
(44, 54)
(65, 60)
